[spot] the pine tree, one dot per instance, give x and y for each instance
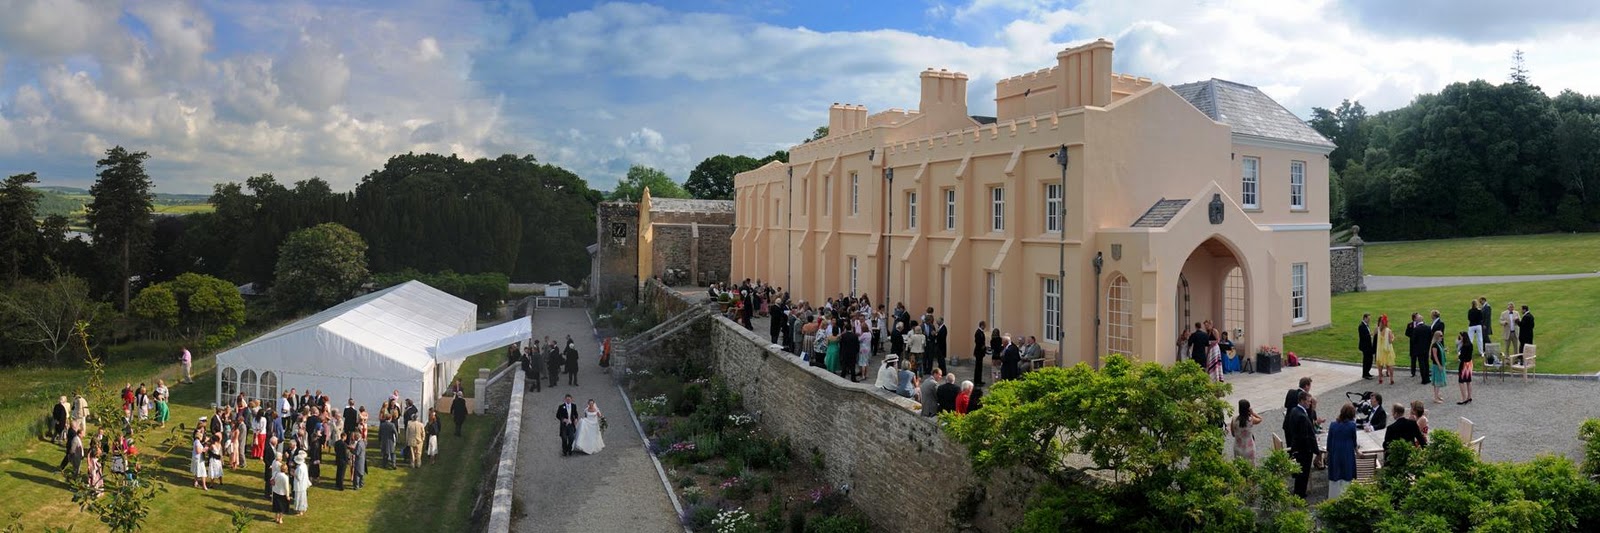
(1519, 72)
(119, 215)
(19, 233)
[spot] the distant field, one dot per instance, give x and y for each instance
(1565, 332)
(70, 201)
(184, 209)
(1556, 253)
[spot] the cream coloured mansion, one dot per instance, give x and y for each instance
(1162, 205)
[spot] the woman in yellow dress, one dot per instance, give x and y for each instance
(1385, 350)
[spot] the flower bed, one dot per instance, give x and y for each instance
(730, 474)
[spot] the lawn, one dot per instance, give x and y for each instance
(1555, 253)
(391, 501)
(184, 209)
(1564, 309)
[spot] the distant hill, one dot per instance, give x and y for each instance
(69, 202)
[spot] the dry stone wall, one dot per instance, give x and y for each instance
(896, 464)
(1344, 270)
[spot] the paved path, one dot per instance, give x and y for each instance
(1519, 420)
(1389, 283)
(614, 490)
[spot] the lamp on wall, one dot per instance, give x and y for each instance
(888, 231)
(872, 153)
(1099, 263)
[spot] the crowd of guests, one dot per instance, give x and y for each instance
(844, 333)
(1429, 353)
(290, 435)
(1302, 424)
(1211, 349)
(546, 357)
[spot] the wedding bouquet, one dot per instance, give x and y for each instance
(603, 424)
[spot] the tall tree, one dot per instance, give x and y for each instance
(712, 179)
(1344, 126)
(19, 232)
(45, 313)
(319, 266)
(639, 177)
(819, 133)
(119, 215)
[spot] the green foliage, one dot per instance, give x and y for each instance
(319, 266)
(641, 177)
(123, 504)
(486, 289)
(1507, 158)
(43, 315)
(19, 232)
(1445, 487)
(819, 133)
(157, 305)
(846, 523)
(712, 179)
(119, 215)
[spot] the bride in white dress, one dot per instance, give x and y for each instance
(589, 440)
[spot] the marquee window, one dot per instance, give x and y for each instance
(230, 382)
(1297, 185)
(1052, 208)
(1251, 183)
(247, 384)
(269, 385)
(1119, 317)
(1052, 309)
(1297, 292)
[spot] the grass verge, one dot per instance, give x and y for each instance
(1564, 310)
(1556, 253)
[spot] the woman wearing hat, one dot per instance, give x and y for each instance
(889, 376)
(302, 480)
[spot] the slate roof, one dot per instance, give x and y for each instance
(1160, 214)
(1249, 111)
(683, 205)
(983, 120)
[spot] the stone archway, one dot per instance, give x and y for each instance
(1205, 291)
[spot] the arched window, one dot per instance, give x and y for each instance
(1233, 298)
(269, 385)
(230, 383)
(1119, 316)
(247, 384)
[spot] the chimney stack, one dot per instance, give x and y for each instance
(943, 92)
(1085, 75)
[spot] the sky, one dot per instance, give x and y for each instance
(218, 91)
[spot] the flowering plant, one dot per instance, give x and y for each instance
(740, 420)
(732, 521)
(684, 446)
(1268, 349)
(730, 483)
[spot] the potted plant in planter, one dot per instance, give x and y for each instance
(1269, 359)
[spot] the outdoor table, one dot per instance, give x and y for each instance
(1366, 441)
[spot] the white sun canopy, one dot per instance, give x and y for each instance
(362, 349)
(468, 344)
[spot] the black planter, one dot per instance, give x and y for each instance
(1269, 364)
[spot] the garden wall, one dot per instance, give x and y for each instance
(1344, 269)
(898, 466)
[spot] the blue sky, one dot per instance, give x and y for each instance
(219, 91)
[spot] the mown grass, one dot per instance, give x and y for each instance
(1564, 311)
(437, 497)
(1557, 253)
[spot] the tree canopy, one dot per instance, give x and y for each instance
(19, 232)
(712, 179)
(119, 215)
(319, 266)
(640, 177)
(1474, 159)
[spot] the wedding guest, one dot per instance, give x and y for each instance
(946, 393)
(1403, 429)
(928, 397)
(386, 436)
(1464, 370)
(975, 402)
(58, 421)
(415, 439)
(1342, 451)
(908, 383)
(1365, 344)
(341, 459)
(1419, 335)
(1385, 350)
(1419, 413)
(1524, 329)
(1475, 325)
(1436, 361)
(979, 351)
(433, 434)
(1010, 359)
(280, 492)
(458, 412)
(889, 376)
(97, 479)
(1243, 431)
(1508, 328)
(197, 460)
(964, 397)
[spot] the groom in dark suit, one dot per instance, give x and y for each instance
(1198, 342)
(1366, 345)
(1421, 336)
(567, 414)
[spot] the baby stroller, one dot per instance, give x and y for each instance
(1363, 408)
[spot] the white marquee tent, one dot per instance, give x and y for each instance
(363, 349)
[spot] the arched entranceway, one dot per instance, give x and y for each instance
(1213, 288)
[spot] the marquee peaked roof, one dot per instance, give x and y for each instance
(398, 325)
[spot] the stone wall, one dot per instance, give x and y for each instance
(616, 262)
(1345, 272)
(898, 466)
(703, 250)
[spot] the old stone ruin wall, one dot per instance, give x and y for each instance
(1344, 272)
(899, 467)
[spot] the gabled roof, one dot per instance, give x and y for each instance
(1160, 214)
(1249, 111)
(400, 323)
